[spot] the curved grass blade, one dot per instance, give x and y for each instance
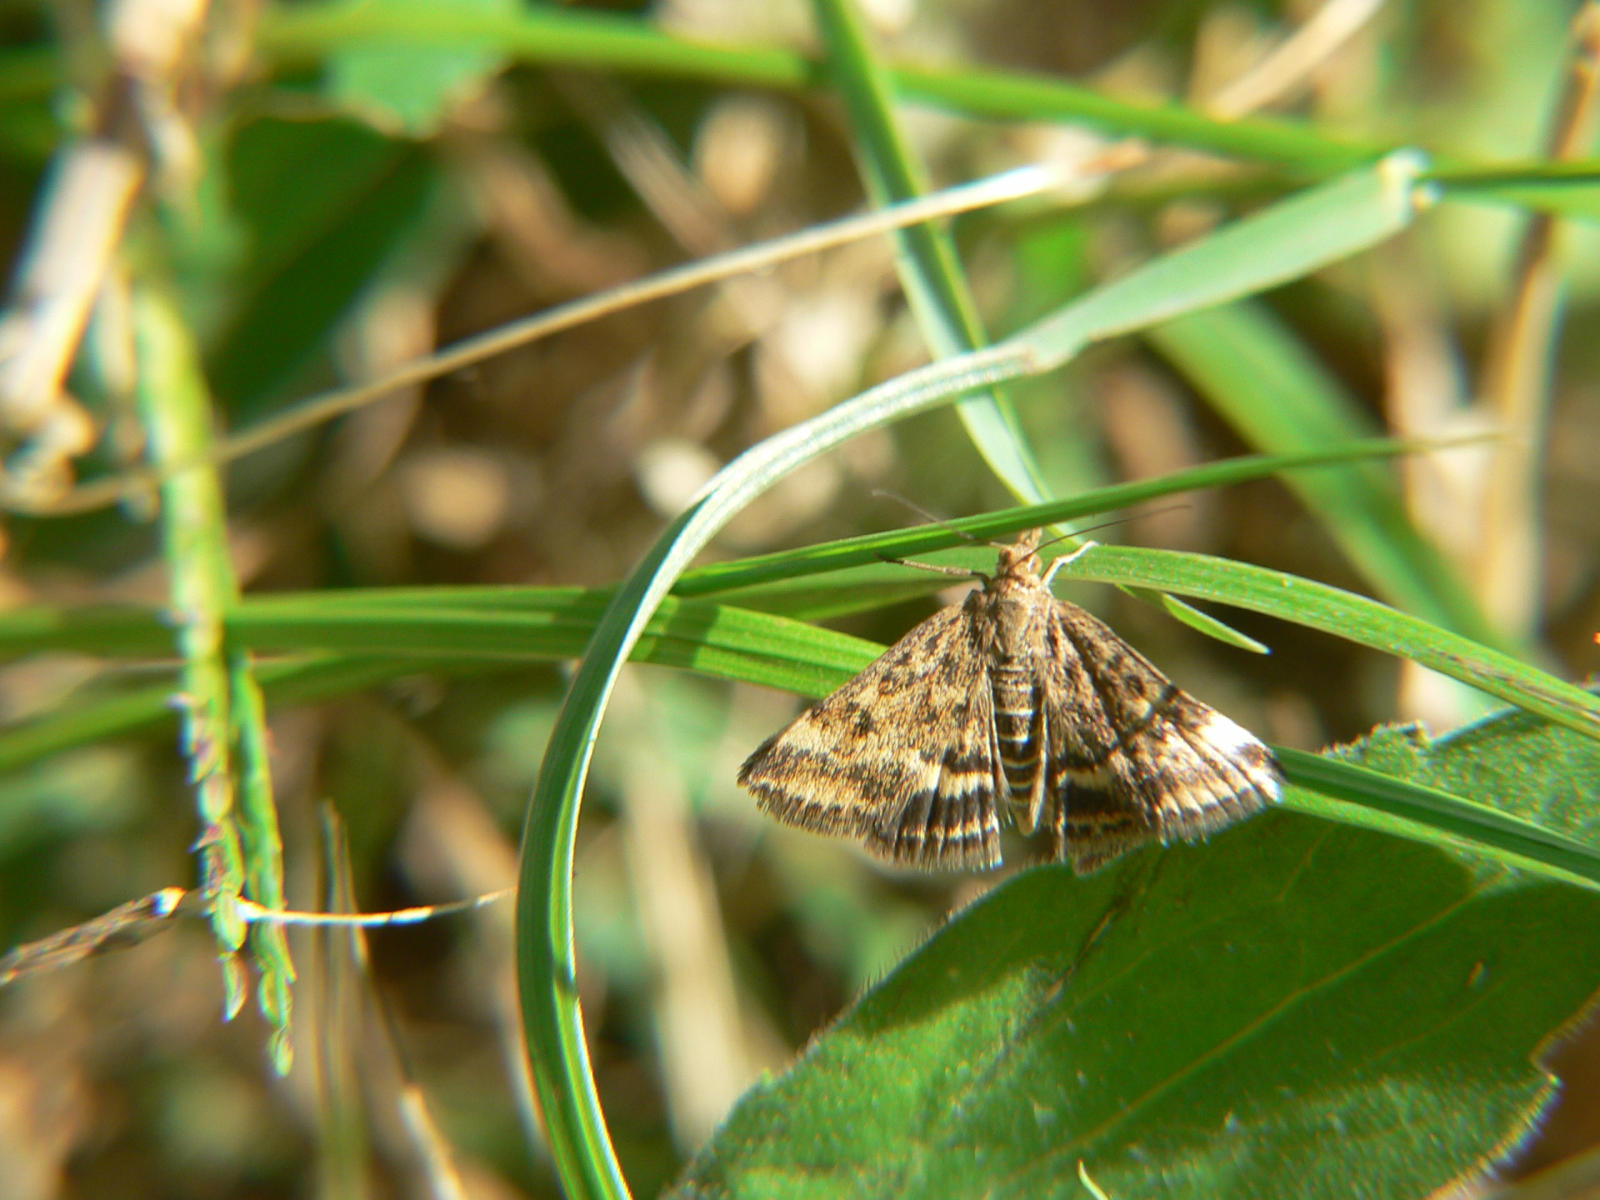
(721, 578)
(929, 267)
(732, 643)
(463, 631)
(1289, 239)
(292, 623)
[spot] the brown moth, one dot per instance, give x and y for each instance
(1013, 703)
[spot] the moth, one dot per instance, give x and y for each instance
(1012, 705)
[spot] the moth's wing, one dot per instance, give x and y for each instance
(903, 756)
(1133, 757)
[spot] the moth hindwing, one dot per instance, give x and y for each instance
(1012, 705)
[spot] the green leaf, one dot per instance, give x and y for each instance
(1298, 235)
(318, 209)
(412, 86)
(1298, 1009)
(928, 263)
(1269, 387)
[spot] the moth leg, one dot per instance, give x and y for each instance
(1066, 560)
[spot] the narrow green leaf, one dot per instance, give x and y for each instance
(1265, 384)
(1349, 616)
(1337, 219)
(1296, 236)
(929, 267)
(785, 566)
(377, 639)
(604, 41)
(1337, 789)
(224, 733)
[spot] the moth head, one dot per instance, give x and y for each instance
(1021, 557)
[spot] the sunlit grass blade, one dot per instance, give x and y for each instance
(1265, 384)
(1280, 243)
(373, 641)
(604, 41)
(1329, 787)
(786, 566)
(554, 36)
(460, 631)
(1296, 236)
(289, 622)
(224, 732)
(1562, 189)
(1347, 615)
(88, 720)
(930, 269)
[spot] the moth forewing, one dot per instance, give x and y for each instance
(901, 756)
(1015, 701)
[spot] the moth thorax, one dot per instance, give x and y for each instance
(1018, 628)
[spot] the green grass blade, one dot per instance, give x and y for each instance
(1372, 205)
(224, 732)
(554, 36)
(785, 566)
(732, 643)
(1328, 786)
(1265, 384)
(471, 630)
(1569, 188)
(376, 638)
(1347, 615)
(930, 269)
(1288, 240)
(607, 42)
(146, 710)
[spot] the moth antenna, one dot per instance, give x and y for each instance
(1122, 520)
(936, 568)
(884, 494)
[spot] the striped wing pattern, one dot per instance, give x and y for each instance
(1011, 704)
(902, 756)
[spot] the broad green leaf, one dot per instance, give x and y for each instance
(413, 86)
(1521, 763)
(318, 208)
(1298, 1009)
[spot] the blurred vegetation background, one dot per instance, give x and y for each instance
(320, 193)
